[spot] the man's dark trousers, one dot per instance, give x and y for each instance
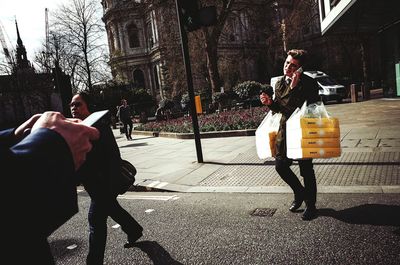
(309, 191)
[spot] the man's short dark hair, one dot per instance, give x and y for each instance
(300, 55)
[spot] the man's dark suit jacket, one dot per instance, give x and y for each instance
(287, 100)
(38, 189)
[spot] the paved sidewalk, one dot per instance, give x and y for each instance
(370, 160)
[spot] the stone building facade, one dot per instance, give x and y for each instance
(133, 43)
(143, 34)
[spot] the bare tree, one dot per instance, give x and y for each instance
(80, 41)
(8, 65)
(293, 23)
(211, 37)
(5, 68)
(241, 27)
(203, 46)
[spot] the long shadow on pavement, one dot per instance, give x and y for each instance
(156, 253)
(131, 145)
(272, 163)
(371, 214)
(358, 163)
(144, 138)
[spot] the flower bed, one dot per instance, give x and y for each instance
(225, 121)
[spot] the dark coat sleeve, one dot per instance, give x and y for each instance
(102, 164)
(39, 180)
(7, 138)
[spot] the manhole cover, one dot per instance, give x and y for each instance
(263, 212)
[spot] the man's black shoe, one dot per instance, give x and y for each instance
(132, 240)
(295, 205)
(309, 213)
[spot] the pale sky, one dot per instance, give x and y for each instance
(30, 15)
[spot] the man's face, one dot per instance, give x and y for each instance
(79, 108)
(290, 66)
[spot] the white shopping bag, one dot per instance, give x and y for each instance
(266, 133)
(311, 132)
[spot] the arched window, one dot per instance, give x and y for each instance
(156, 81)
(138, 78)
(111, 39)
(133, 36)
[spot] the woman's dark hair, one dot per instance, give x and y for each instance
(88, 100)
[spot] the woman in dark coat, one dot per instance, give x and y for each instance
(97, 174)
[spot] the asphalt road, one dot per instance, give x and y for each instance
(219, 228)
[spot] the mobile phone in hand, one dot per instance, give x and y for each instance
(300, 70)
(94, 117)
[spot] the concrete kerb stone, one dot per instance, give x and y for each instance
(267, 189)
(203, 135)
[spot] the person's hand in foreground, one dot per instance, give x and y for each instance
(25, 127)
(77, 136)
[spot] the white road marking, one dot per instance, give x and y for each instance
(154, 183)
(148, 197)
(162, 184)
(73, 246)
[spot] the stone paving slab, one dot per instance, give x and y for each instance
(351, 169)
(362, 133)
(346, 143)
(389, 143)
(369, 142)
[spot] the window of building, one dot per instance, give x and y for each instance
(154, 30)
(138, 78)
(111, 38)
(334, 3)
(133, 36)
(322, 9)
(149, 34)
(156, 79)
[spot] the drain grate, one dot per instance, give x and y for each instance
(263, 212)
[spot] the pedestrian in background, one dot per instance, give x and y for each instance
(291, 91)
(97, 175)
(124, 115)
(39, 160)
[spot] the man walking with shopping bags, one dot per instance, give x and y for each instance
(291, 91)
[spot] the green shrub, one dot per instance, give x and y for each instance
(247, 89)
(225, 121)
